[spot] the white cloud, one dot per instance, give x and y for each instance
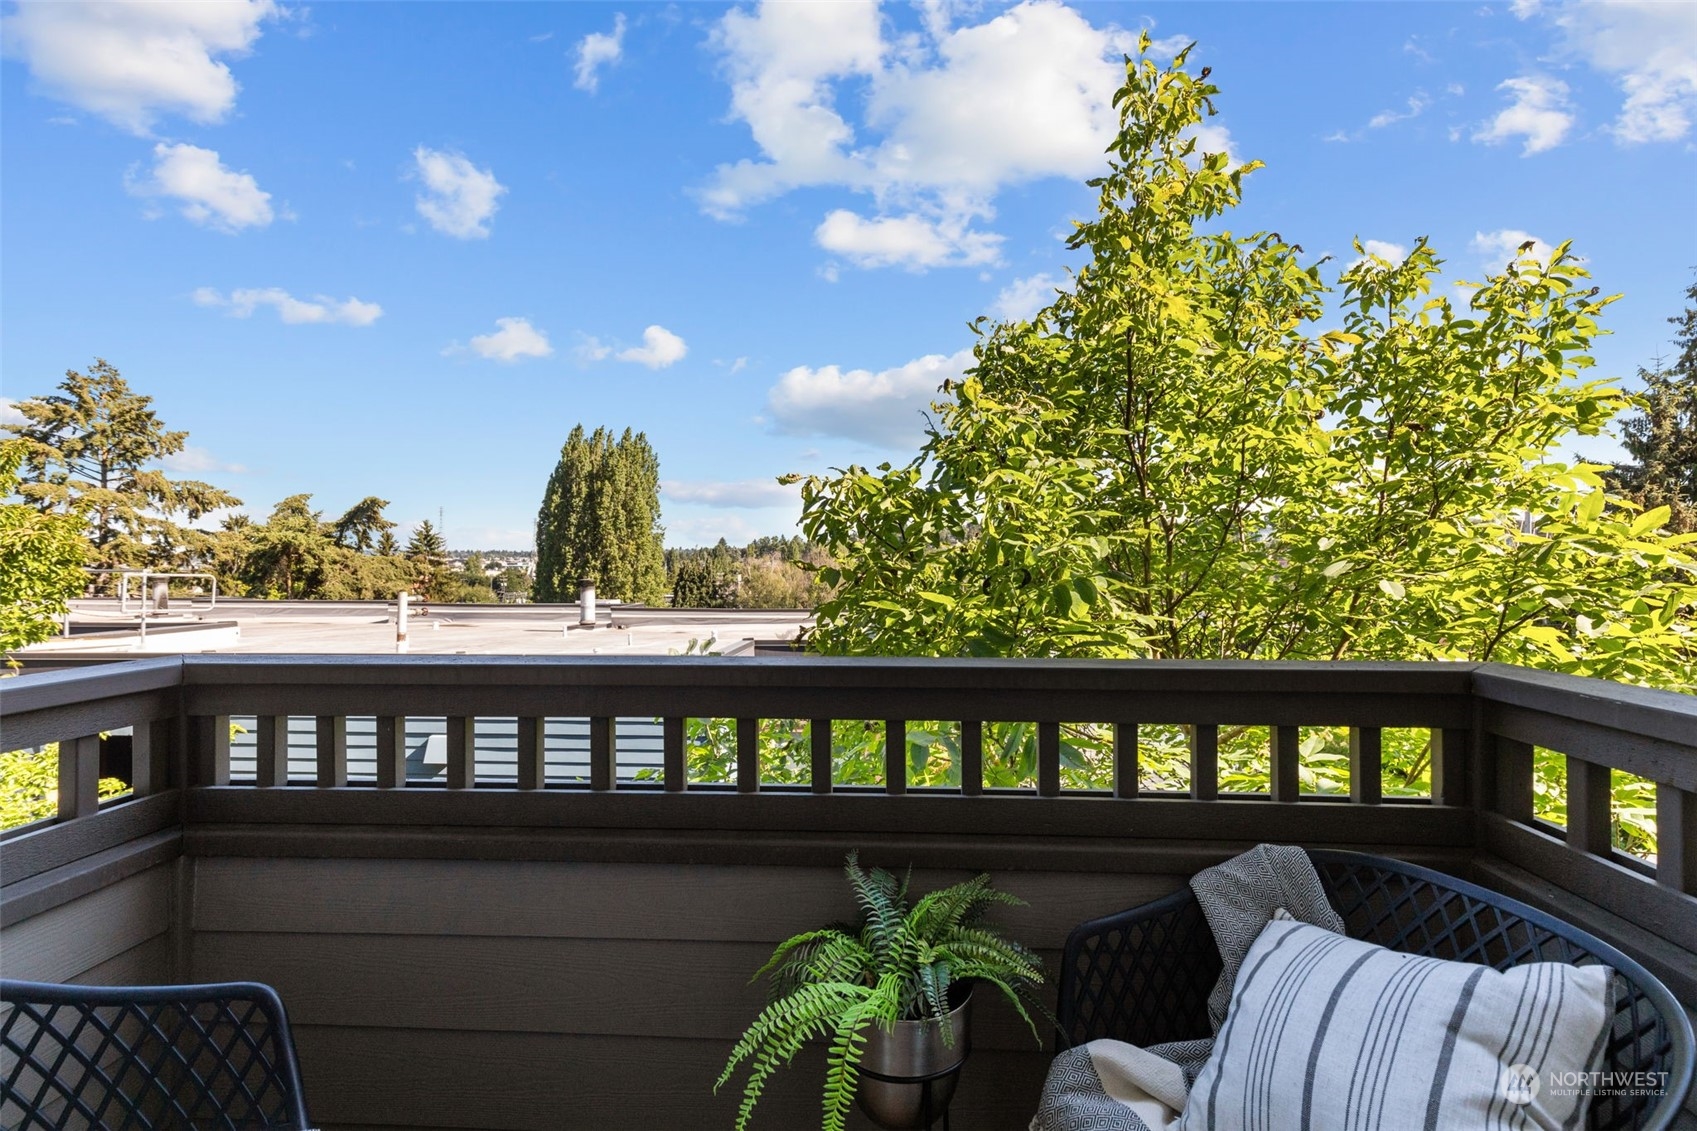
(459, 198)
(211, 195)
(1499, 248)
(883, 409)
(910, 241)
(738, 365)
(660, 349)
(590, 349)
(515, 338)
(598, 50)
(1652, 47)
(951, 116)
(706, 530)
(1022, 298)
(1416, 105)
(10, 413)
(1390, 252)
(130, 63)
(1538, 112)
(193, 461)
(295, 311)
(740, 493)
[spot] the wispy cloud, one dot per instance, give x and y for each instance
(597, 50)
(295, 311)
(207, 193)
(883, 409)
(1022, 298)
(459, 199)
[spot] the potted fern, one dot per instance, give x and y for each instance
(891, 990)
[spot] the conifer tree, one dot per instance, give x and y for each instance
(600, 518)
(1662, 438)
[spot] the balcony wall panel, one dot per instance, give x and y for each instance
(97, 937)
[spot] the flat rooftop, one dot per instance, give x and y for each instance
(102, 631)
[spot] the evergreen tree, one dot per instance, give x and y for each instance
(1662, 438)
(386, 544)
(426, 545)
(600, 518)
(89, 450)
(363, 526)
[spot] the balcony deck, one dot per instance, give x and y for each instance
(539, 940)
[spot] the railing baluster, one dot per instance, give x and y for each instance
(820, 772)
(1205, 762)
(1286, 743)
(895, 755)
(79, 777)
(1449, 767)
(972, 758)
(602, 757)
(532, 753)
(1125, 760)
(1048, 759)
(1366, 765)
(675, 770)
(1676, 838)
(209, 759)
(748, 755)
(150, 756)
(1512, 762)
(462, 751)
(332, 739)
(391, 751)
(1588, 815)
(271, 750)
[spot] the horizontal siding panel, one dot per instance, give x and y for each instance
(148, 964)
(621, 987)
(620, 901)
(523, 1082)
(57, 945)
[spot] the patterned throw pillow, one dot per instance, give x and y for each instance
(1330, 1032)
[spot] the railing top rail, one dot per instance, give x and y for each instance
(1667, 715)
(41, 691)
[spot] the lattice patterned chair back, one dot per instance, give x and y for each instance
(1144, 975)
(158, 1058)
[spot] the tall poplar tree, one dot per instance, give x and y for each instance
(93, 447)
(600, 519)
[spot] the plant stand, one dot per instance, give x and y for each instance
(909, 1073)
(936, 1090)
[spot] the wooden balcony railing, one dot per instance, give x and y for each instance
(578, 763)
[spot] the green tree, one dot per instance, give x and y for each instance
(1173, 460)
(386, 544)
(90, 448)
(292, 553)
(41, 560)
(363, 526)
(513, 581)
(1662, 436)
(600, 519)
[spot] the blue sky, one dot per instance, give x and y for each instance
(401, 249)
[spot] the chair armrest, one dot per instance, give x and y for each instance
(1141, 975)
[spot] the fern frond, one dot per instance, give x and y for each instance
(842, 1064)
(804, 942)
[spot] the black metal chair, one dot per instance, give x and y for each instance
(1144, 975)
(151, 1058)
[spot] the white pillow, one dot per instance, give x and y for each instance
(1328, 1032)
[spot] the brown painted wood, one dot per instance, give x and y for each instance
(1450, 772)
(531, 752)
(1286, 753)
(1125, 760)
(59, 886)
(145, 964)
(332, 743)
(1205, 761)
(1676, 839)
(1588, 812)
(1512, 767)
(41, 848)
(1654, 714)
(748, 755)
(676, 769)
(390, 751)
(972, 758)
(56, 945)
(79, 777)
(150, 756)
(209, 753)
(271, 750)
(1655, 907)
(1366, 765)
(895, 756)
(603, 765)
(461, 751)
(821, 771)
(1656, 758)
(1048, 758)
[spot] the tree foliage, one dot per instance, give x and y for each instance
(768, 573)
(1661, 437)
(41, 560)
(600, 519)
(1175, 459)
(91, 450)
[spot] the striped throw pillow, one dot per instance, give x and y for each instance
(1330, 1032)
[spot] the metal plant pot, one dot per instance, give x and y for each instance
(901, 1066)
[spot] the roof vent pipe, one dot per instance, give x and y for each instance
(586, 603)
